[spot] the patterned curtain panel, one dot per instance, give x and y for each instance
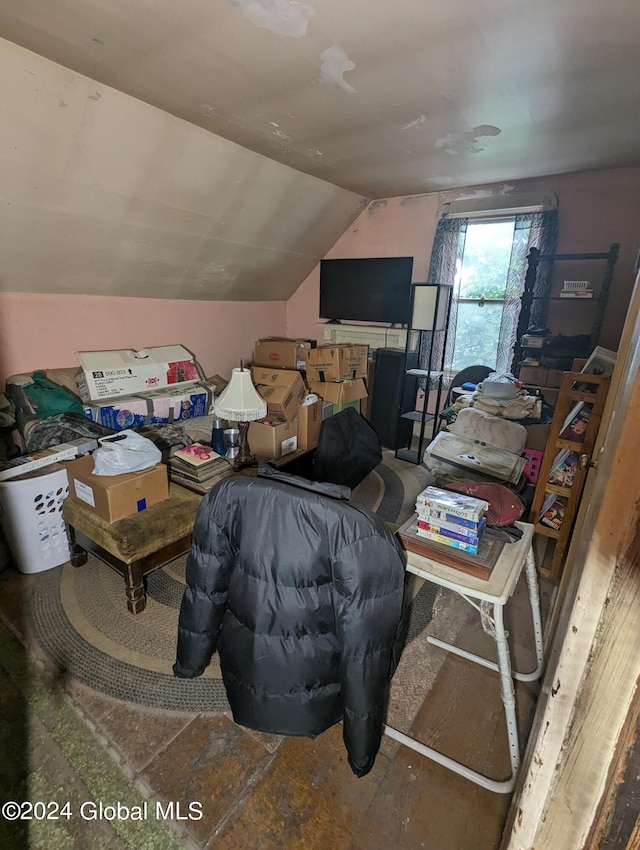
(446, 262)
(537, 230)
(513, 292)
(544, 235)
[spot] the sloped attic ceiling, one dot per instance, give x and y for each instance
(215, 149)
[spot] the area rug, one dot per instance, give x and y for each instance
(79, 620)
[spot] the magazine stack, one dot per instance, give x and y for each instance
(198, 467)
(451, 519)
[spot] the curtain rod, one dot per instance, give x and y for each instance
(497, 206)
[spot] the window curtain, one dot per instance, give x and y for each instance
(446, 262)
(539, 230)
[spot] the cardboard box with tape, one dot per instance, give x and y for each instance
(282, 389)
(281, 353)
(110, 374)
(337, 362)
(273, 439)
(341, 395)
(115, 497)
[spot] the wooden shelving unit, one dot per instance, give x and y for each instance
(575, 387)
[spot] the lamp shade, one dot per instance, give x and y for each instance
(430, 306)
(240, 401)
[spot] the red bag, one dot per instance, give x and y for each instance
(505, 507)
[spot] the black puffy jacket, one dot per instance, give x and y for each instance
(302, 594)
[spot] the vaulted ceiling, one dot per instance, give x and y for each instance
(353, 99)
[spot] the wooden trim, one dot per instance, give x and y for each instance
(595, 649)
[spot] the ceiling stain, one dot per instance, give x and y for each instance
(334, 65)
(280, 17)
(374, 206)
(278, 132)
(505, 189)
(417, 123)
(456, 143)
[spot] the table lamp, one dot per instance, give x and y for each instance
(241, 403)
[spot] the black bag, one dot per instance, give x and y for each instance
(348, 449)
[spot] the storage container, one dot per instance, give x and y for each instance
(31, 508)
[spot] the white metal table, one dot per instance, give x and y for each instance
(489, 597)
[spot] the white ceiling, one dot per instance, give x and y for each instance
(382, 98)
(378, 97)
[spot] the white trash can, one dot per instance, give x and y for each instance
(32, 520)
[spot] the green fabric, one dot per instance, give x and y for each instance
(49, 399)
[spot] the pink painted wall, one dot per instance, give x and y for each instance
(595, 209)
(396, 227)
(45, 331)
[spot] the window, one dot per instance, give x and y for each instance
(481, 249)
(480, 289)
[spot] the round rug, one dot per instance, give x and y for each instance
(80, 619)
(79, 616)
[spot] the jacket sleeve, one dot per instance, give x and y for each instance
(205, 597)
(369, 583)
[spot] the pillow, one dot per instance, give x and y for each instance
(492, 430)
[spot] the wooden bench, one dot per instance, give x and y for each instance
(136, 545)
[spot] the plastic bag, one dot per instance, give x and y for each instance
(500, 385)
(126, 451)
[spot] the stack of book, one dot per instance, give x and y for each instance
(564, 468)
(451, 519)
(576, 289)
(574, 427)
(198, 467)
(552, 511)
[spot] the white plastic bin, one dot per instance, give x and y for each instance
(32, 520)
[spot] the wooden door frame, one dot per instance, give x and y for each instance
(594, 658)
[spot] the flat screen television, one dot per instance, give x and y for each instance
(372, 289)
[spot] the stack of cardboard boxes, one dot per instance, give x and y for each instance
(286, 372)
(336, 373)
(124, 389)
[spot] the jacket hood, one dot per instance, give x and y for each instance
(323, 488)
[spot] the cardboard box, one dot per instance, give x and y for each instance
(111, 374)
(536, 376)
(282, 389)
(341, 395)
(537, 436)
(181, 403)
(309, 424)
(337, 362)
(271, 439)
(282, 353)
(45, 457)
(114, 497)
(119, 413)
(157, 407)
(554, 377)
